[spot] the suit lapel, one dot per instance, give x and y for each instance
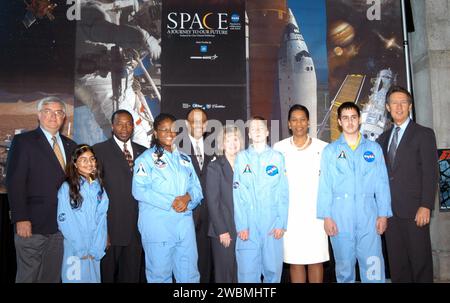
(226, 169)
(119, 154)
(44, 145)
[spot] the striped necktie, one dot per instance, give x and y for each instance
(58, 153)
(128, 156)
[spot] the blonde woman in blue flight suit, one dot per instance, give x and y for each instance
(167, 189)
(81, 216)
(261, 200)
(354, 200)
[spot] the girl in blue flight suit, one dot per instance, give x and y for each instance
(167, 189)
(81, 216)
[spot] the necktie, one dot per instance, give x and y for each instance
(393, 147)
(199, 155)
(58, 153)
(128, 156)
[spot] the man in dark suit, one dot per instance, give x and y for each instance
(34, 174)
(201, 155)
(123, 259)
(411, 156)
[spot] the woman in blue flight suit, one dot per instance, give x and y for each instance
(167, 189)
(261, 202)
(81, 216)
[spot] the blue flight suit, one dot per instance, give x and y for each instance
(354, 192)
(261, 201)
(85, 232)
(168, 237)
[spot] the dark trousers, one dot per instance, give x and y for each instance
(122, 264)
(225, 267)
(203, 244)
(39, 258)
(409, 251)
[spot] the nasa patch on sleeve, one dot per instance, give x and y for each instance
(62, 217)
(369, 156)
(236, 185)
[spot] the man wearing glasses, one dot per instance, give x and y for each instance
(35, 171)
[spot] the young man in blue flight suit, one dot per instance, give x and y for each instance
(354, 199)
(261, 199)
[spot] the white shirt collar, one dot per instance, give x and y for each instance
(199, 142)
(120, 144)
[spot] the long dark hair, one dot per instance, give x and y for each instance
(155, 142)
(73, 177)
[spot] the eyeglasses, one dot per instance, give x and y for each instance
(49, 113)
(166, 131)
(86, 161)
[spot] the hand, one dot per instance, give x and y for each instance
(277, 233)
(243, 235)
(422, 216)
(23, 229)
(225, 239)
(330, 227)
(180, 203)
(87, 257)
(381, 225)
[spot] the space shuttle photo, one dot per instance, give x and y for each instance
(297, 79)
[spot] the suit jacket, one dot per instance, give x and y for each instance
(414, 177)
(33, 178)
(200, 213)
(219, 193)
(117, 177)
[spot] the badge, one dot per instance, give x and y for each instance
(369, 156)
(272, 170)
(62, 217)
(99, 196)
(141, 171)
(247, 169)
(342, 155)
(159, 163)
(236, 185)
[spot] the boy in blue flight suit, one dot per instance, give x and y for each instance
(354, 199)
(261, 198)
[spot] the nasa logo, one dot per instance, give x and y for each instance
(271, 170)
(62, 217)
(369, 156)
(235, 18)
(203, 48)
(236, 185)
